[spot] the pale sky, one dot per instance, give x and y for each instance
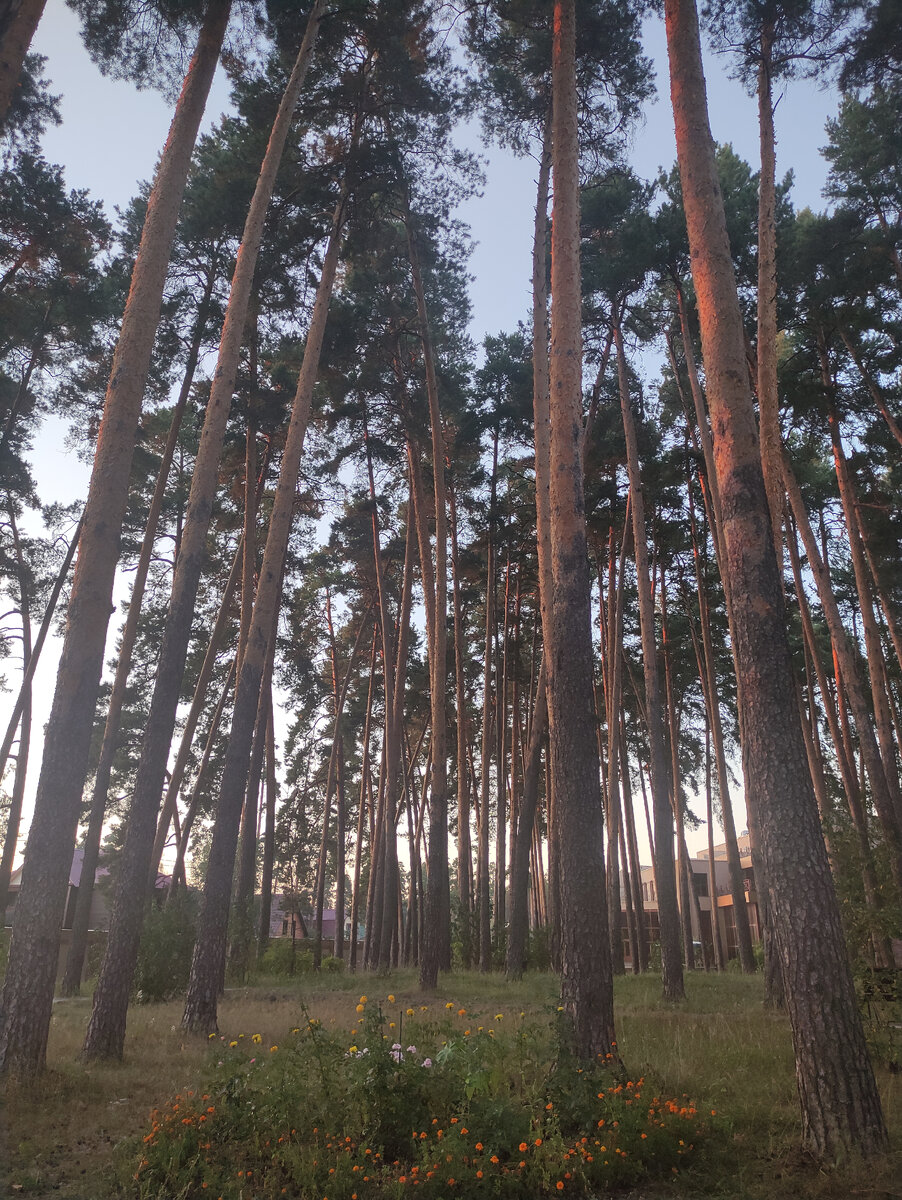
(112, 133)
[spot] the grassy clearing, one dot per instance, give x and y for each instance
(60, 1135)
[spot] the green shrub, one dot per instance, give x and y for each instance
(453, 1102)
(164, 958)
(281, 957)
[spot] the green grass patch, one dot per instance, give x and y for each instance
(79, 1132)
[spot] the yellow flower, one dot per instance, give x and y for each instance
(273, 1049)
(257, 1039)
(352, 1050)
(211, 1035)
(391, 999)
(391, 1024)
(499, 1016)
(232, 1045)
(363, 999)
(450, 1004)
(360, 1008)
(410, 1012)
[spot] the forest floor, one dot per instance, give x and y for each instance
(72, 1133)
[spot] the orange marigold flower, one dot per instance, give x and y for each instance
(538, 1141)
(560, 1185)
(522, 1147)
(479, 1145)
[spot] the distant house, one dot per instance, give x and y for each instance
(720, 910)
(100, 898)
(285, 920)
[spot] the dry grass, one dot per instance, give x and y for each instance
(57, 1135)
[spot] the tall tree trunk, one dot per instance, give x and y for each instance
(16, 800)
(464, 848)
(362, 807)
(269, 836)
(178, 869)
(839, 1098)
(873, 648)
(106, 1030)
(16, 33)
(587, 993)
(665, 875)
(78, 941)
(170, 802)
(436, 935)
(768, 402)
(28, 988)
(209, 949)
(710, 691)
(848, 666)
(483, 894)
(719, 956)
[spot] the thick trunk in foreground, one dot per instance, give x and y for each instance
(28, 990)
(840, 1103)
(209, 950)
(587, 992)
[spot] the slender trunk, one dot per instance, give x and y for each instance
(665, 874)
(526, 823)
(78, 941)
(436, 934)
(873, 648)
(871, 384)
(464, 849)
(710, 691)
(28, 989)
(106, 1031)
(209, 949)
(362, 807)
(768, 402)
(501, 691)
(719, 958)
(176, 776)
(482, 872)
(839, 1098)
(269, 836)
(587, 994)
(31, 665)
(848, 665)
(16, 800)
(178, 869)
(684, 882)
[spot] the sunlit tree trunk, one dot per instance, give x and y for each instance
(839, 1099)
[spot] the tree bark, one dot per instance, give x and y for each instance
(16, 800)
(106, 1030)
(28, 989)
(587, 995)
(209, 949)
(665, 874)
(839, 1099)
(78, 941)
